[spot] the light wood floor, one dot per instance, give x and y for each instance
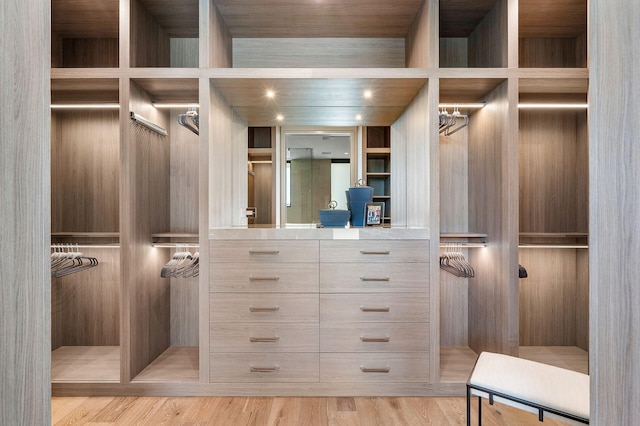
(231, 411)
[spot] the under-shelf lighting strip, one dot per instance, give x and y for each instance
(523, 105)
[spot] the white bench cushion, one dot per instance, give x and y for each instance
(542, 384)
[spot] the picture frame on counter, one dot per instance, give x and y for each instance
(374, 214)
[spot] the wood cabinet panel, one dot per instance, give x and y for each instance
(259, 337)
(374, 337)
(265, 277)
(264, 367)
(251, 307)
(374, 367)
(374, 277)
(374, 307)
(365, 251)
(270, 251)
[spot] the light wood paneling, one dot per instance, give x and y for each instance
(149, 41)
(488, 42)
(553, 172)
(184, 296)
(550, 18)
(25, 304)
(548, 298)
(420, 46)
(454, 52)
(145, 211)
(65, 90)
(493, 190)
(177, 19)
(318, 53)
(291, 18)
(85, 18)
(184, 52)
(215, 30)
(614, 212)
(86, 305)
(173, 90)
(549, 53)
(582, 300)
(459, 90)
(84, 171)
(458, 18)
(456, 363)
(569, 357)
(85, 53)
(176, 364)
(85, 364)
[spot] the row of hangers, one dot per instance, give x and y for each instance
(451, 123)
(190, 120)
(183, 264)
(452, 260)
(66, 259)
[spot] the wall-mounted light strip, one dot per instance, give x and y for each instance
(175, 245)
(553, 106)
(148, 124)
(467, 105)
(553, 246)
(176, 105)
(86, 106)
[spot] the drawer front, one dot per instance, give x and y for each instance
(268, 368)
(265, 277)
(374, 367)
(374, 307)
(263, 307)
(374, 277)
(234, 337)
(374, 337)
(374, 251)
(270, 251)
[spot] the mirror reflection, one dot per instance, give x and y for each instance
(318, 170)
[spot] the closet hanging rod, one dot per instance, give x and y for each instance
(553, 246)
(148, 124)
(106, 105)
(85, 246)
(176, 104)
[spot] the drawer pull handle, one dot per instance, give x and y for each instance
(264, 278)
(375, 278)
(365, 309)
(375, 251)
(263, 339)
(273, 369)
(264, 251)
(375, 339)
(375, 370)
(265, 309)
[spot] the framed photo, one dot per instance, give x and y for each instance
(374, 214)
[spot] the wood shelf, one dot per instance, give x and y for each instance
(176, 364)
(79, 364)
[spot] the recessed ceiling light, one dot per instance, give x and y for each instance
(271, 94)
(368, 94)
(280, 117)
(358, 117)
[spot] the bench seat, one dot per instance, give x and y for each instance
(532, 386)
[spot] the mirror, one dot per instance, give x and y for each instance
(318, 168)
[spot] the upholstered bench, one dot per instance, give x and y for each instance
(528, 385)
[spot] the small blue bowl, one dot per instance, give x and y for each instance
(330, 218)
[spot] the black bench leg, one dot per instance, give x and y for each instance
(479, 411)
(468, 406)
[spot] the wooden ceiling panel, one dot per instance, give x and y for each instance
(84, 90)
(178, 18)
(170, 90)
(552, 18)
(85, 18)
(553, 85)
(460, 90)
(318, 18)
(310, 101)
(458, 18)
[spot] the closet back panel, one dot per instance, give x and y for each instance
(150, 43)
(487, 46)
(554, 171)
(85, 167)
(85, 307)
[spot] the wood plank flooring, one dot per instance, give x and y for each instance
(231, 411)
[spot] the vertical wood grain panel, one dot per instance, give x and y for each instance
(145, 211)
(204, 92)
(25, 296)
(582, 299)
(87, 303)
(548, 53)
(184, 52)
(318, 53)
(263, 189)
(84, 171)
(90, 52)
(493, 294)
(614, 217)
(454, 52)
(220, 50)
(420, 48)
(548, 297)
(553, 172)
(184, 311)
(488, 42)
(149, 41)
